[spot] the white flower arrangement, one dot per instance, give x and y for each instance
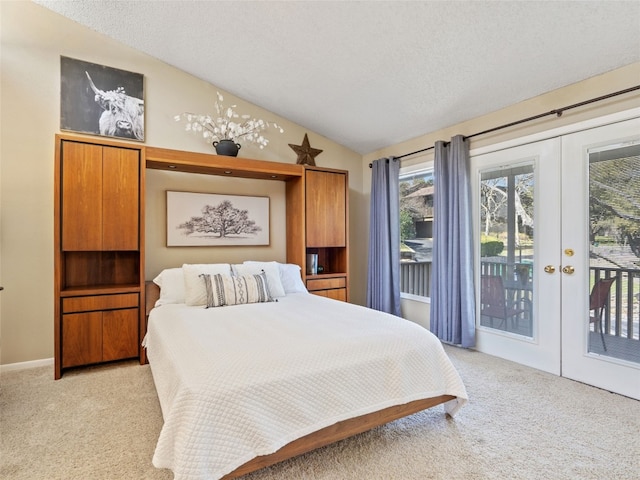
(224, 125)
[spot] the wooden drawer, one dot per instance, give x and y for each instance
(335, 293)
(99, 302)
(326, 283)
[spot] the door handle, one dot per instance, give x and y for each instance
(568, 270)
(550, 269)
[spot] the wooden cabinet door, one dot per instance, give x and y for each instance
(81, 339)
(100, 197)
(120, 198)
(325, 209)
(119, 334)
(81, 200)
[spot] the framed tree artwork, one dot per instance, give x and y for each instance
(209, 219)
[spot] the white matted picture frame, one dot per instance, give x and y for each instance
(211, 219)
(101, 100)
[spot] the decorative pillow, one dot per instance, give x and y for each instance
(291, 279)
(194, 289)
(171, 283)
(272, 271)
(236, 290)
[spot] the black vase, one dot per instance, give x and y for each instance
(227, 147)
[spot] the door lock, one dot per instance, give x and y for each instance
(568, 270)
(569, 252)
(549, 269)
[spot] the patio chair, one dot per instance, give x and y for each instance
(598, 301)
(493, 300)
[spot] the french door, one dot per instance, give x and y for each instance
(553, 219)
(517, 194)
(601, 226)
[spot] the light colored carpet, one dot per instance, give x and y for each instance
(103, 422)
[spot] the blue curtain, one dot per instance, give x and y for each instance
(452, 293)
(383, 275)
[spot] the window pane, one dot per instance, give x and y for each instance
(416, 232)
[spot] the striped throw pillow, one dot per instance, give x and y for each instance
(225, 290)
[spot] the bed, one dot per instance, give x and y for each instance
(248, 385)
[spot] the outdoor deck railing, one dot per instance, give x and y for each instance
(622, 315)
(622, 312)
(415, 278)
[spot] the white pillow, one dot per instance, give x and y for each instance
(194, 287)
(270, 268)
(291, 278)
(171, 283)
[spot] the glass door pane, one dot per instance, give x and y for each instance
(614, 252)
(507, 249)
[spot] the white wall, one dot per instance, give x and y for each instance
(32, 41)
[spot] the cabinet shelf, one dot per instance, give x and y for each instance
(191, 162)
(99, 269)
(320, 276)
(99, 290)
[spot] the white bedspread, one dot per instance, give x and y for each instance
(241, 381)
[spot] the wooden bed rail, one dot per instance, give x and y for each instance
(152, 294)
(336, 432)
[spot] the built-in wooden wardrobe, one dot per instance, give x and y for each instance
(99, 237)
(98, 254)
(318, 207)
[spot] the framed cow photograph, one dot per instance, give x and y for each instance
(101, 100)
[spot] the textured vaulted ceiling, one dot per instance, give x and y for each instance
(372, 74)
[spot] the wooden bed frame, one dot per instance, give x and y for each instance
(324, 436)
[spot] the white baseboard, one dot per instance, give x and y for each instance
(10, 367)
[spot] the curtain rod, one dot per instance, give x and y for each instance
(557, 111)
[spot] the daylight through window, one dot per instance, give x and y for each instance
(416, 232)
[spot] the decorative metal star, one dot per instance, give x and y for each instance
(306, 154)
